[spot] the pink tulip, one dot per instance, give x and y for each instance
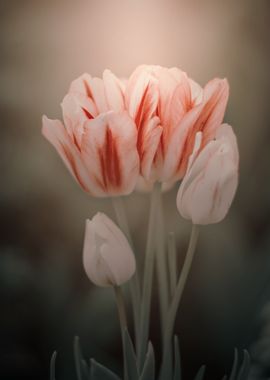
(107, 257)
(209, 185)
(169, 109)
(97, 141)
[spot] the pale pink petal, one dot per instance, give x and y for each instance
(210, 195)
(175, 153)
(216, 94)
(97, 90)
(226, 131)
(55, 132)
(81, 85)
(179, 102)
(176, 73)
(167, 84)
(196, 92)
(109, 148)
(205, 117)
(147, 145)
(113, 91)
(107, 256)
(141, 96)
(94, 264)
(208, 188)
(77, 108)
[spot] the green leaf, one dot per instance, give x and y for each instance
(52, 366)
(200, 373)
(82, 369)
(245, 367)
(177, 360)
(130, 358)
(99, 372)
(148, 372)
(235, 365)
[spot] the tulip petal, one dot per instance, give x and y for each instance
(113, 91)
(77, 108)
(55, 132)
(147, 145)
(81, 85)
(95, 265)
(97, 89)
(210, 183)
(107, 257)
(116, 252)
(109, 146)
(226, 131)
(141, 96)
(175, 97)
(205, 117)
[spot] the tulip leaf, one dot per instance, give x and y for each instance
(82, 369)
(235, 365)
(148, 372)
(52, 366)
(130, 358)
(200, 373)
(100, 372)
(244, 369)
(177, 360)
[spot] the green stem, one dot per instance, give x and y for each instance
(166, 367)
(123, 322)
(172, 262)
(121, 216)
(134, 286)
(148, 276)
(162, 267)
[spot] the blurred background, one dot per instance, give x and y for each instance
(46, 298)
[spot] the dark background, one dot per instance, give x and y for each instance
(46, 298)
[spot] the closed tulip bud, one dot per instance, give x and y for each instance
(107, 257)
(208, 188)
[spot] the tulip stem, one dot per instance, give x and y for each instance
(121, 216)
(123, 322)
(172, 262)
(162, 266)
(148, 276)
(166, 366)
(134, 285)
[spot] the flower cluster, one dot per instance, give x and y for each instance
(157, 126)
(116, 131)
(147, 132)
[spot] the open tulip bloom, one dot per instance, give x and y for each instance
(147, 132)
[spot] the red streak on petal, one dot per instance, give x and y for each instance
(76, 142)
(109, 162)
(141, 113)
(87, 89)
(142, 116)
(87, 114)
(198, 126)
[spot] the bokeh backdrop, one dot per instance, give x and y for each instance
(46, 297)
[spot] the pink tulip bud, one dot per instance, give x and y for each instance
(209, 185)
(107, 257)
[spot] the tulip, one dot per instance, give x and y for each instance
(107, 257)
(97, 141)
(208, 188)
(169, 109)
